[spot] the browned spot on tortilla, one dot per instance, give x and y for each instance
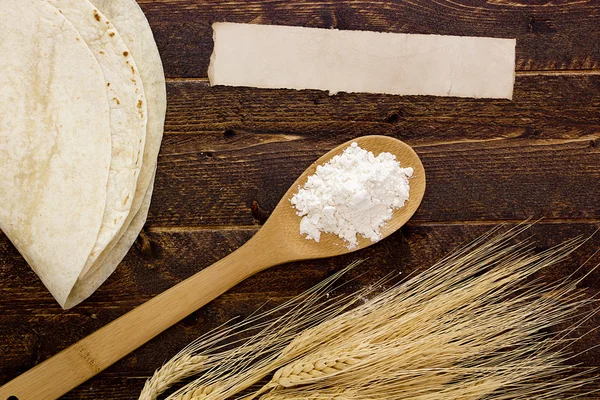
(108, 84)
(140, 104)
(126, 198)
(116, 100)
(125, 53)
(134, 82)
(77, 39)
(132, 69)
(97, 16)
(101, 52)
(112, 34)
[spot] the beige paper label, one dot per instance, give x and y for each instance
(267, 56)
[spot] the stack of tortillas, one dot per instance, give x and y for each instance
(82, 107)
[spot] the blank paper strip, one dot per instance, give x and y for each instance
(267, 56)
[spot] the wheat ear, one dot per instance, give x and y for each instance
(312, 369)
(198, 394)
(466, 329)
(228, 371)
(172, 372)
(340, 394)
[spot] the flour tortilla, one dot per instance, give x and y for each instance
(111, 259)
(55, 143)
(131, 22)
(128, 114)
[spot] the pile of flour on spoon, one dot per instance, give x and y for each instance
(355, 193)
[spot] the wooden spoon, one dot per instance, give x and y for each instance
(277, 242)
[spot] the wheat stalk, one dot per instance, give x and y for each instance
(179, 368)
(255, 359)
(451, 324)
(468, 328)
(269, 334)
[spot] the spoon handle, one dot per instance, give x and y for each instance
(92, 354)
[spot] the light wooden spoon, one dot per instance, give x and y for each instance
(277, 242)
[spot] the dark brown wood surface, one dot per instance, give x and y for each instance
(488, 162)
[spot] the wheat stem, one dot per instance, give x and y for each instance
(468, 328)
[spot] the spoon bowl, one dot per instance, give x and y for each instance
(278, 241)
(284, 223)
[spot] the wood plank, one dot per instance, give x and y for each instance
(128, 388)
(533, 179)
(544, 106)
(550, 35)
(227, 147)
(33, 327)
(109, 387)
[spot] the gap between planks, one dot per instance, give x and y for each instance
(565, 72)
(176, 229)
(210, 228)
(123, 374)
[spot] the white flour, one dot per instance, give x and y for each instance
(354, 193)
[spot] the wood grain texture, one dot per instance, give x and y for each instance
(532, 179)
(227, 147)
(544, 107)
(488, 162)
(550, 35)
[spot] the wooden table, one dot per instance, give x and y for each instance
(488, 162)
